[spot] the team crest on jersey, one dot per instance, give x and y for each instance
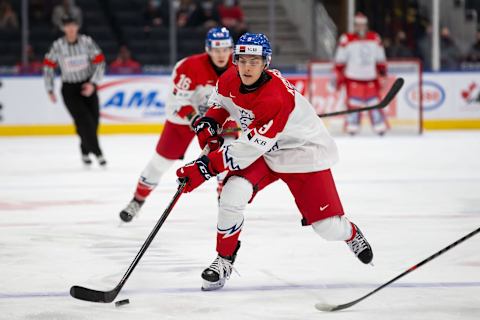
(246, 118)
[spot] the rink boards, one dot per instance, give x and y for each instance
(136, 104)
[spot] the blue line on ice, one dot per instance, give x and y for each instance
(451, 285)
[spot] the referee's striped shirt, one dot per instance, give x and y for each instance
(79, 61)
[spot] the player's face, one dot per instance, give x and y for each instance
(220, 56)
(250, 68)
(360, 28)
(71, 30)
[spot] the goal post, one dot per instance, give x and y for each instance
(404, 114)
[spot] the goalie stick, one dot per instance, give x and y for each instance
(91, 295)
(331, 307)
(397, 85)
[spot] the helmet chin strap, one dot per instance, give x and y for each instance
(361, 33)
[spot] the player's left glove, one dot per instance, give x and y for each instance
(196, 173)
(339, 80)
(188, 113)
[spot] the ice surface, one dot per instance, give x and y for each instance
(411, 196)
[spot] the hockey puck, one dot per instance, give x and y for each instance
(122, 302)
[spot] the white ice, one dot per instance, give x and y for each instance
(411, 196)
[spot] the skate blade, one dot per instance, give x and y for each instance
(210, 286)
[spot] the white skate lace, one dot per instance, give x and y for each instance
(133, 208)
(223, 267)
(358, 244)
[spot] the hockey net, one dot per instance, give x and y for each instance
(404, 114)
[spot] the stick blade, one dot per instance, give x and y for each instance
(322, 306)
(86, 294)
(325, 307)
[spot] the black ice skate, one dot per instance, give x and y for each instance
(215, 276)
(132, 209)
(360, 246)
(101, 160)
(86, 160)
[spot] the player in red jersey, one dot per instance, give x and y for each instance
(359, 65)
(282, 139)
(194, 80)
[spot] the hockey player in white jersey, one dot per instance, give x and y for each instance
(359, 65)
(282, 139)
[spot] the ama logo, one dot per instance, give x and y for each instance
(136, 99)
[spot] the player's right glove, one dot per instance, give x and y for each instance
(207, 130)
(196, 173)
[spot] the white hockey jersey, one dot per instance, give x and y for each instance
(360, 58)
(278, 123)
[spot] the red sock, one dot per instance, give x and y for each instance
(226, 246)
(142, 191)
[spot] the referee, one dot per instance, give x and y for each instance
(82, 66)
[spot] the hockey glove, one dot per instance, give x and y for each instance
(230, 129)
(196, 173)
(188, 113)
(339, 80)
(207, 132)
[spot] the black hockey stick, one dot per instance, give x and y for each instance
(397, 85)
(86, 294)
(331, 307)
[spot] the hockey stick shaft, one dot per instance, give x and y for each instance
(154, 232)
(414, 267)
(394, 89)
(108, 296)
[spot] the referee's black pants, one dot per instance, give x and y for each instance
(85, 112)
